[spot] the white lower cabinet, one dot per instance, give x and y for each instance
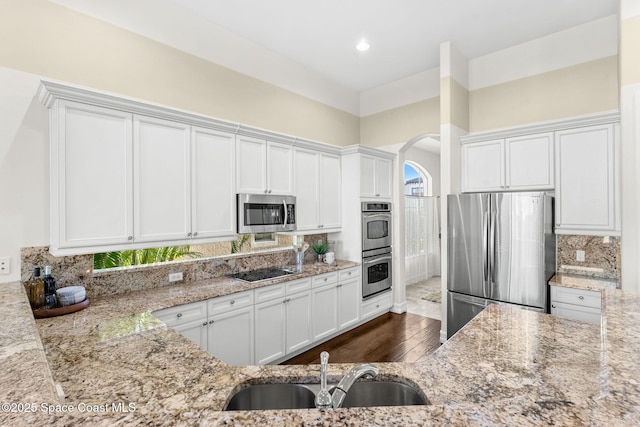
(576, 304)
(377, 305)
(266, 324)
(230, 336)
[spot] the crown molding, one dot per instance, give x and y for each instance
(363, 149)
(549, 126)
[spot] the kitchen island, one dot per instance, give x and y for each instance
(117, 363)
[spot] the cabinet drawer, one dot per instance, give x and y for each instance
(576, 312)
(325, 279)
(298, 285)
(576, 296)
(377, 305)
(230, 302)
(182, 314)
(267, 293)
(350, 273)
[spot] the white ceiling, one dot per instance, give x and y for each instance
(405, 35)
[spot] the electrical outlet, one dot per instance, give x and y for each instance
(5, 265)
(580, 256)
(175, 277)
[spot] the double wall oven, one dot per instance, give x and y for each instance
(376, 248)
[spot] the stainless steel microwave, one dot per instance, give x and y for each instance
(266, 213)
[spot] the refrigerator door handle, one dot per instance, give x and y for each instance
(485, 252)
(492, 247)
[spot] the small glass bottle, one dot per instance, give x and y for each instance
(49, 288)
(36, 290)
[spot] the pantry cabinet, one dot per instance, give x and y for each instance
(317, 178)
(588, 186)
(263, 166)
(91, 176)
(520, 163)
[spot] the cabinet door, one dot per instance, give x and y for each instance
(330, 195)
(230, 336)
(529, 162)
(269, 331)
(367, 176)
(298, 326)
(251, 161)
(586, 187)
(161, 180)
(195, 331)
(306, 176)
(279, 169)
(349, 301)
(383, 178)
(483, 166)
(91, 157)
(324, 311)
(213, 207)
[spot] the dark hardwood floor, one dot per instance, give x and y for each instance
(389, 338)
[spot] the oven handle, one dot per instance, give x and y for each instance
(376, 259)
(373, 215)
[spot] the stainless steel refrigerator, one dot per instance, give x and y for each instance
(501, 249)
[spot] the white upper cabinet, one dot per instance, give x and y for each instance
(317, 178)
(213, 207)
(91, 178)
(587, 187)
(483, 166)
(375, 177)
(513, 164)
(161, 180)
(263, 167)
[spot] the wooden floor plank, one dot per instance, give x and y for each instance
(391, 337)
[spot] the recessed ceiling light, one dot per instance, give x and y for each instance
(363, 45)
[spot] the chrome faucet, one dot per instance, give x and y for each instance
(326, 400)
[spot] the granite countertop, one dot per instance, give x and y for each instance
(582, 282)
(507, 366)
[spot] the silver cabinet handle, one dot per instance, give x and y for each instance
(205, 324)
(580, 297)
(179, 315)
(211, 322)
(339, 286)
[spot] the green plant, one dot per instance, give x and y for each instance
(236, 246)
(320, 248)
(127, 258)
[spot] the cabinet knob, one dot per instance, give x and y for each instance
(130, 238)
(179, 315)
(266, 191)
(339, 286)
(580, 297)
(269, 191)
(211, 322)
(232, 302)
(378, 195)
(195, 234)
(553, 306)
(377, 305)
(189, 234)
(325, 279)
(205, 324)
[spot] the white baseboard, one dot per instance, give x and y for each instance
(399, 308)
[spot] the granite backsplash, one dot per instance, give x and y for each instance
(78, 269)
(602, 256)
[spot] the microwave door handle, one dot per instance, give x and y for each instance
(286, 214)
(385, 215)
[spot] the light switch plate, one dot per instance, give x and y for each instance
(580, 256)
(5, 265)
(174, 277)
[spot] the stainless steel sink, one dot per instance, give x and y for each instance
(300, 396)
(382, 393)
(272, 396)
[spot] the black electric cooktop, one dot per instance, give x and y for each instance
(261, 274)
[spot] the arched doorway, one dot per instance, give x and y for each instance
(421, 240)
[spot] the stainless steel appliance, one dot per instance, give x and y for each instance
(376, 225)
(261, 274)
(501, 249)
(376, 248)
(266, 213)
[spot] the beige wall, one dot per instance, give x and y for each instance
(629, 43)
(400, 124)
(455, 106)
(45, 39)
(585, 88)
